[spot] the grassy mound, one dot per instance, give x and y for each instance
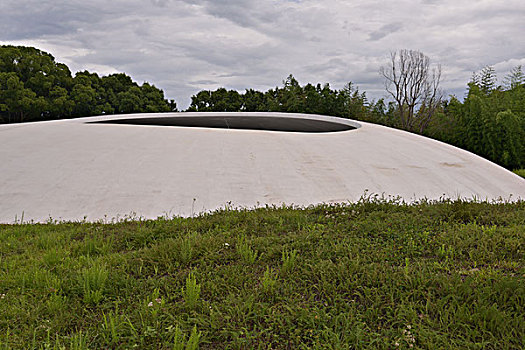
(368, 275)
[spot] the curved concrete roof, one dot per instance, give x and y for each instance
(71, 169)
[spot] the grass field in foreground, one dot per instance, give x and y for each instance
(369, 275)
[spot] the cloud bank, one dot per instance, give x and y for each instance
(184, 46)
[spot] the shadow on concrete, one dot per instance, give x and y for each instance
(240, 122)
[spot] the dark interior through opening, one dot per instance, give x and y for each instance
(238, 122)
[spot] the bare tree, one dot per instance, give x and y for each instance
(414, 85)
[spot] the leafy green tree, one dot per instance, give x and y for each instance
(84, 98)
(291, 97)
(16, 102)
(38, 88)
(224, 100)
(508, 147)
(487, 80)
(61, 106)
(514, 79)
(220, 100)
(201, 102)
(254, 101)
(354, 104)
(153, 100)
(130, 101)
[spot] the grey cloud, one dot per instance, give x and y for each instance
(315, 39)
(160, 3)
(34, 19)
(203, 82)
(30, 19)
(385, 30)
(329, 64)
(180, 45)
(283, 20)
(243, 13)
(227, 55)
(229, 75)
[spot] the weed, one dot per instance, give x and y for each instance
(186, 250)
(111, 326)
(78, 341)
(93, 246)
(180, 342)
(247, 254)
(53, 257)
(269, 281)
(55, 303)
(446, 252)
(93, 281)
(191, 292)
(288, 261)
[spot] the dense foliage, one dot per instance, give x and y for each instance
(489, 122)
(35, 87)
(292, 98)
(371, 275)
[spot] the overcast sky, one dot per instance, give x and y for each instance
(184, 46)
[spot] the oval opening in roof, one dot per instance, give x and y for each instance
(280, 123)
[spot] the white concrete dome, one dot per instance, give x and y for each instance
(151, 165)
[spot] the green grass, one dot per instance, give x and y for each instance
(372, 275)
(520, 172)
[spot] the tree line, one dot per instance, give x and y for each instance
(291, 97)
(490, 121)
(33, 86)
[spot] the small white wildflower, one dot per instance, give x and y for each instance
(150, 304)
(158, 300)
(409, 326)
(2, 296)
(396, 344)
(226, 244)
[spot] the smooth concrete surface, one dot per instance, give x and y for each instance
(76, 169)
